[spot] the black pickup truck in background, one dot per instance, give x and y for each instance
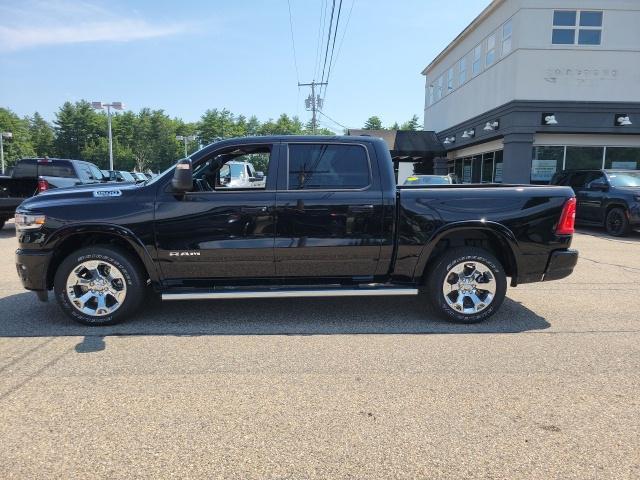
(609, 198)
(327, 219)
(33, 175)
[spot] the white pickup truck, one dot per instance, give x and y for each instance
(241, 175)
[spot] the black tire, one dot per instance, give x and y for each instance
(617, 223)
(442, 271)
(131, 274)
(2, 222)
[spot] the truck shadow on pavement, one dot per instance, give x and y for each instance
(24, 316)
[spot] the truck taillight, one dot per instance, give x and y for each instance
(566, 225)
(43, 185)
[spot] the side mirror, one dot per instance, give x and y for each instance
(260, 175)
(182, 180)
(602, 186)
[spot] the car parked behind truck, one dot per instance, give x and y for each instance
(605, 198)
(33, 175)
(329, 221)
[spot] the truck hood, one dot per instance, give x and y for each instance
(98, 193)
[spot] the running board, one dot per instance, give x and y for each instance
(291, 293)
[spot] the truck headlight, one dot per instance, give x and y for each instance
(29, 221)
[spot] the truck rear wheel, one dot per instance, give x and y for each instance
(99, 286)
(467, 285)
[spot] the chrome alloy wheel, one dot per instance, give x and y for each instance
(96, 288)
(469, 287)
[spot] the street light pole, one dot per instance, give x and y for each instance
(108, 106)
(110, 137)
(3, 135)
(186, 139)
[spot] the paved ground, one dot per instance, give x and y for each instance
(344, 388)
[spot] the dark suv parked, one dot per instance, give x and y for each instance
(609, 198)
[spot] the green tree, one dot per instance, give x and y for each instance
(413, 124)
(395, 126)
(77, 126)
(373, 123)
(253, 125)
(19, 146)
(216, 124)
(42, 136)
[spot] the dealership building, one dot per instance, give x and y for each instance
(531, 87)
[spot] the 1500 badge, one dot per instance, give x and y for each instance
(184, 254)
(107, 193)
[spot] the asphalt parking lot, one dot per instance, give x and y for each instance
(331, 388)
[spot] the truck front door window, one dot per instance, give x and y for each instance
(237, 168)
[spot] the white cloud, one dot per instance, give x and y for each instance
(38, 23)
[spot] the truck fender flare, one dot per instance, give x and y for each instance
(108, 229)
(497, 229)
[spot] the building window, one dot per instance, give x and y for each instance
(431, 89)
(477, 60)
(486, 172)
(491, 51)
(450, 85)
(462, 77)
(467, 169)
(584, 158)
(438, 89)
(497, 167)
(545, 163)
(577, 27)
(507, 32)
(627, 158)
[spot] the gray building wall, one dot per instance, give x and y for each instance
(585, 86)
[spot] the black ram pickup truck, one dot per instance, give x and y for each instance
(33, 175)
(326, 220)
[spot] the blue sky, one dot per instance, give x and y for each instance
(185, 57)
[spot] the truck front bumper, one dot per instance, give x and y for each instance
(32, 266)
(561, 264)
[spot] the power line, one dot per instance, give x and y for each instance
(326, 52)
(333, 46)
(293, 42)
(337, 123)
(321, 24)
(344, 34)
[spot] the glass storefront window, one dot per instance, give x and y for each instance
(627, 158)
(584, 158)
(467, 170)
(497, 168)
(458, 170)
(487, 168)
(545, 162)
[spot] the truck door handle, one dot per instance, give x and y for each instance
(361, 208)
(262, 209)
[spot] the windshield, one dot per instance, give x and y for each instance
(428, 180)
(127, 176)
(625, 179)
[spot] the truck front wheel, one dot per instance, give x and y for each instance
(466, 285)
(99, 285)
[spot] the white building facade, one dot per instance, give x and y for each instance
(535, 86)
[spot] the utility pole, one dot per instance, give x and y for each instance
(313, 102)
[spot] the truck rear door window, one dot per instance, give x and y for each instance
(328, 167)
